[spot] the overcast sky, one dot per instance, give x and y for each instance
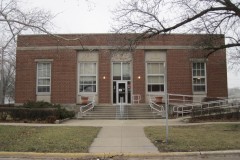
(91, 16)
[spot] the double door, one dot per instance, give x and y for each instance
(122, 92)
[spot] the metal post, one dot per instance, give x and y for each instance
(166, 104)
(166, 108)
(121, 107)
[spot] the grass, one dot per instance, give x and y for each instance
(196, 138)
(46, 139)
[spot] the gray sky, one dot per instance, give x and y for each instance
(91, 16)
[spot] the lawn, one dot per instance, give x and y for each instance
(196, 138)
(46, 139)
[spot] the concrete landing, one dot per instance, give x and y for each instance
(124, 139)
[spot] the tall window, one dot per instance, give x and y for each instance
(87, 77)
(43, 77)
(121, 71)
(155, 77)
(199, 77)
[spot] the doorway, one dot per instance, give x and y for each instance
(121, 76)
(122, 92)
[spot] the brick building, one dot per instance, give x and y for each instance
(60, 70)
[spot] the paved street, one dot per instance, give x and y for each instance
(160, 157)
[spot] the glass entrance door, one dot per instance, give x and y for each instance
(122, 92)
(121, 81)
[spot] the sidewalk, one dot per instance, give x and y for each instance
(105, 123)
(124, 137)
(122, 140)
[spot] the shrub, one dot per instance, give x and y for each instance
(38, 104)
(62, 113)
(36, 111)
(51, 119)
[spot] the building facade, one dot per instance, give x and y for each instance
(62, 68)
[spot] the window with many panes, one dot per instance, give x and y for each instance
(43, 77)
(199, 76)
(121, 71)
(87, 77)
(155, 77)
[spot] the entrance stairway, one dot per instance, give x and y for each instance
(128, 112)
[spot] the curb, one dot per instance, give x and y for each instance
(111, 155)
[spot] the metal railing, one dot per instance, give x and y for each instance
(217, 107)
(181, 98)
(156, 107)
(88, 107)
(183, 109)
(121, 112)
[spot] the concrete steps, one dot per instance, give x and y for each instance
(113, 112)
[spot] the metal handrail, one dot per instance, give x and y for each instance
(184, 108)
(153, 108)
(91, 103)
(81, 108)
(151, 103)
(121, 110)
(184, 98)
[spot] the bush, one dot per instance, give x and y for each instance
(51, 119)
(62, 113)
(38, 104)
(36, 111)
(209, 99)
(19, 113)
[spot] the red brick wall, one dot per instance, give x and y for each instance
(63, 85)
(104, 85)
(139, 70)
(217, 75)
(64, 66)
(25, 85)
(179, 73)
(64, 77)
(114, 39)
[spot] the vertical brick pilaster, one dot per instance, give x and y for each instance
(104, 67)
(139, 70)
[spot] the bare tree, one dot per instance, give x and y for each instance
(8, 75)
(14, 20)
(154, 17)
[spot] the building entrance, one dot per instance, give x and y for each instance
(122, 92)
(121, 82)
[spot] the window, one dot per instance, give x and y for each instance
(87, 77)
(155, 77)
(121, 71)
(43, 77)
(199, 77)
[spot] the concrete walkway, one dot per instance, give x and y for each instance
(116, 136)
(121, 136)
(104, 123)
(123, 139)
